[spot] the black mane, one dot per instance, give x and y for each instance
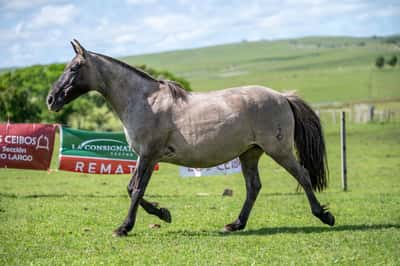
(176, 89)
(138, 71)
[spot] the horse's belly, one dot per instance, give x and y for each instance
(202, 157)
(210, 143)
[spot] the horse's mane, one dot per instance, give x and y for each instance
(176, 89)
(138, 71)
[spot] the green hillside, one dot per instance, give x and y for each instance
(322, 69)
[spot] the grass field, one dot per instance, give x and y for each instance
(62, 218)
(322, 69)
(65, 218)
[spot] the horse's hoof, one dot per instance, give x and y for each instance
(329, 219)
(229, 228)
(165, 215)
(120, 232)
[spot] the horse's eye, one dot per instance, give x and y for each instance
(75, 67)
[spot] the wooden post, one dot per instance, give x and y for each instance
(343, 149)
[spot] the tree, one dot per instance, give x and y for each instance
(16, 105)
(380, 62)
(393, 61)
(23, 94)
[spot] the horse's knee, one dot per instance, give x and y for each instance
(129, 189)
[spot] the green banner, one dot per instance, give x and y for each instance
(83, 143)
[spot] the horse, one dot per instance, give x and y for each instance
(165, 123)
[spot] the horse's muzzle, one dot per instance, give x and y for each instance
(53, 104)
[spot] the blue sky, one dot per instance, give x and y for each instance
(39, 31)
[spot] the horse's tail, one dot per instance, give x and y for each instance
(309, 142)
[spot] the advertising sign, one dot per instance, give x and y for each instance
(230, 167)
(26, 146)
(95, 152)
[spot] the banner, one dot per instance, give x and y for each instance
(26, 146)
(231, 167)
(95, 152)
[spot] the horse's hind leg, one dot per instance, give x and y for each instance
(289, 162)
(249, 161)
(161, 213)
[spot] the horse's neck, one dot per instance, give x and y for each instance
(122, 87)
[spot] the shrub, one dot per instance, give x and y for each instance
(380, 62)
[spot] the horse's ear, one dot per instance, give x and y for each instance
(78, 48)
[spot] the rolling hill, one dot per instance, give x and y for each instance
(321, 69)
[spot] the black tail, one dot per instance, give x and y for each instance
(309, 141)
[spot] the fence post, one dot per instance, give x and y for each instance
(343, 149)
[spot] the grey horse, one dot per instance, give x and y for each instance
(165, 123)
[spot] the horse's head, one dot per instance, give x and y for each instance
(74, 82)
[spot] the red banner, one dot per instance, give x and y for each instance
(26, 146)
(93, 165)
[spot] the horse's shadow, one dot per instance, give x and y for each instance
(61, 195)
(316, 229)
(269, 231)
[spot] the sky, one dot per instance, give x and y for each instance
(39, 31)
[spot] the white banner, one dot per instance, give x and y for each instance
(231, 167)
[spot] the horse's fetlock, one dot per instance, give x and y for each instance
(317, 211)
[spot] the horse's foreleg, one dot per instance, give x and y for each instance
(139, 182)
(249, 161)
(161, 213)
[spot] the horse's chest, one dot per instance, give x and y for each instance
(134, 139)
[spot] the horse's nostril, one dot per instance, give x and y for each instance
(50, 100)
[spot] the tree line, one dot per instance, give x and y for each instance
(23, 94)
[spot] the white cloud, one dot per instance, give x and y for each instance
(168, 22)
(141, 2)
(18, 28)
(125, 38)
(54, 15)
(387, 12)
(40, 30)
(23, 4)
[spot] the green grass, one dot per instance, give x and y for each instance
(322, 69)
(65, 218)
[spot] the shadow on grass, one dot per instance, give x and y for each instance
(317, 229)
(62, 195)
(16, 196)
(288, 230)
(294, 193)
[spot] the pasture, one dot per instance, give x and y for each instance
(59, 218)
(321, 69)
(65, 218)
